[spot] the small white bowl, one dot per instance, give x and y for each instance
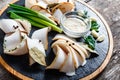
(71, 28)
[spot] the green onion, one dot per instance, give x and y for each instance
(43, 22)
(24, 9)
(35, 18)
(15, 16)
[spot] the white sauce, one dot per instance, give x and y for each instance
(74, 24)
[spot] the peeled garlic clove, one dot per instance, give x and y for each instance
(42, 34)
(10, 26)
(30, 3)
(15, 44)
(101, 38)
(95, 34)
(57, 15)
(59, 59)
(25, 24)
(68, 66)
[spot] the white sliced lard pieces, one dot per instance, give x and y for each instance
(51, 1)
(42, 4)
(9, 25)
(68, 67)
(36, 52)
(59, 59)
(31, 43)
(46, 13)
(42, 34)
(57, 15)
(15, 44)
(11, 41)
(25, 24)
(30, 3)
(60, 1)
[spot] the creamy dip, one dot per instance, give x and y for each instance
(74, 24)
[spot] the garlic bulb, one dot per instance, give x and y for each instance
(101, 38)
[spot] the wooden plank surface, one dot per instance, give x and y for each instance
(112, 16)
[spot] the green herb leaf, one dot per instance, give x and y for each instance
(94, 25)
(90, 41)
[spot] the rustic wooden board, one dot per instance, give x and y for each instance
(19, 67)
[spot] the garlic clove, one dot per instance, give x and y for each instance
(95, 34)
(101, 38)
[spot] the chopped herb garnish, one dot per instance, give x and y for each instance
(90, 41)
(94, 25)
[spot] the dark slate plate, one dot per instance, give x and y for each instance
(19, 64)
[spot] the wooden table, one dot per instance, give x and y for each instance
(110, 10)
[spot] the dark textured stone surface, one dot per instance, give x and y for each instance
(110, 10)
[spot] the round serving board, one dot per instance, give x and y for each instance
(18, 65)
